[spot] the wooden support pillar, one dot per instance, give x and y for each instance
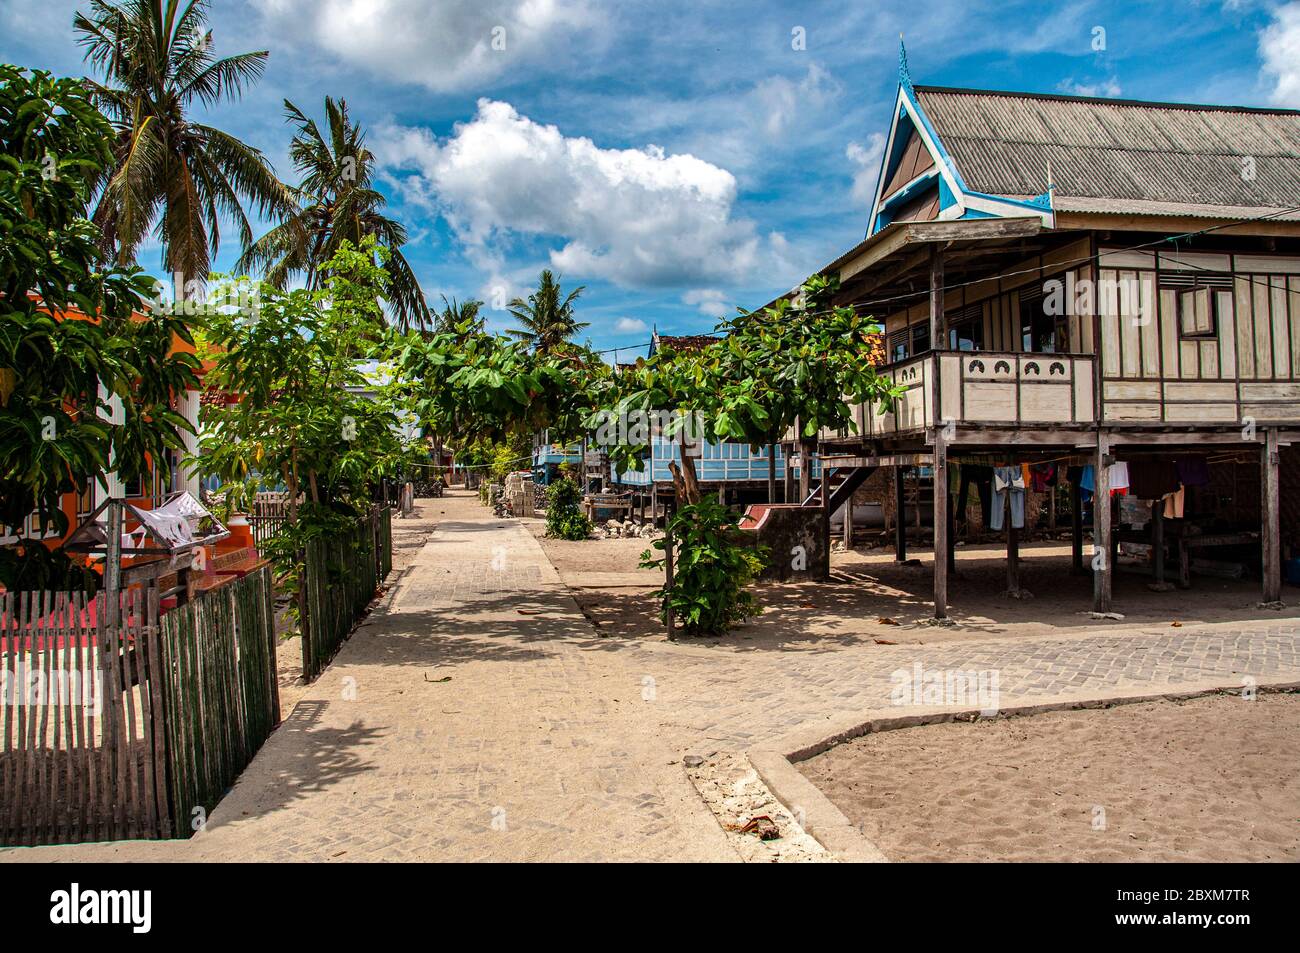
(962, 510)
(1013, 542)
(1270, 509)
(1013, 555)
(848, 523)
(941, 507)
(771, 473)
(900, 520)
(952, 536)
(938, 321)
(787, 491)
(805, 470)
(1076, 529)
(669, 621)
(1158, 545)
(1102, 560)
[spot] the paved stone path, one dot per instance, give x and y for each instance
(477, 716)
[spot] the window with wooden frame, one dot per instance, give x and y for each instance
(920, 338)
(1197, 298)
(898, 347)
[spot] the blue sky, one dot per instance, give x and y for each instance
(677, 159)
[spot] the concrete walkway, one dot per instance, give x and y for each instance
(477, 716)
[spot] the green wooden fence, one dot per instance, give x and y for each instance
(341, 576)
(220, 691)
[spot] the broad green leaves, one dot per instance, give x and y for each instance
(63, 372)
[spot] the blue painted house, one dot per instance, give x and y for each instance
(548, 457)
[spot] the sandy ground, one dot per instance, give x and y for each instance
(871, 597)
(1209, 779)
(408, 539)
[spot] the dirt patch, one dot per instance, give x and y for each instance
(871, 598)
(1209, 779)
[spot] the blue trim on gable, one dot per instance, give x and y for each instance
(946, 198)
(1041, 203)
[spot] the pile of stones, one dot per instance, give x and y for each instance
(625, 529)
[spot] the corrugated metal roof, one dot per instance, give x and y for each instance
(1121, 150)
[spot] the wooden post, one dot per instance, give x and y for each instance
(1270, 509)
(1013, 553)
(848, 523)
(952, 539)
(941, 501)
(113, 563)
(771, 473)
(900, 521)
(1076, 530)
(668, 577)
(938, 321)
(805, 470)
(1102, 570)
(1013, 541)
(1158, 543)
(963, 504)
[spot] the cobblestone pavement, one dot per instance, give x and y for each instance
(477, 716)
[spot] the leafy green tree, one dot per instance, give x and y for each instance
(335, 202)
(484, 387)
(74, 335)
(157, 62)
(297, 366)
(800, 364)
(547, 319)
(712, 571)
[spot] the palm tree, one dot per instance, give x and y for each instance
(334, 203)
(546, 319)
(174, 176)
(455, 313)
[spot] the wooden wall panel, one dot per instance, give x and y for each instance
(1281, 326)
(1293, 310)
(1150, 325)
(1227, 335)
(1245, 328)
(1201, 413)
(1263, 344)
(1107, 307)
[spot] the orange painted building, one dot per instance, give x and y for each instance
(146, 492)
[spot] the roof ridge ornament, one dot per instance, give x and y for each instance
(904, 75)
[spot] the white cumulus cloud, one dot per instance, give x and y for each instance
(636, 217)
(710, 301)
(444, 46)
(1279, 47)
(630, 326)
(866, 163)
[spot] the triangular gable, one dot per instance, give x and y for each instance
(915, 159)
(919, 180)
